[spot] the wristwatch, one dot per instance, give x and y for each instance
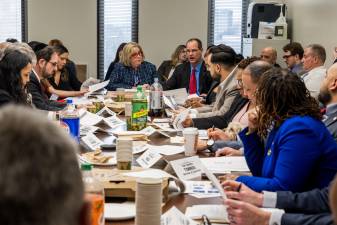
(210, 143)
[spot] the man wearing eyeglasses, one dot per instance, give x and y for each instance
(293, 54)
(193, 74)
(45, 67)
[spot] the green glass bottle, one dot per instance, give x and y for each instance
(139, 110)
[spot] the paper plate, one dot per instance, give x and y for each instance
(119, 211)
(110, 162)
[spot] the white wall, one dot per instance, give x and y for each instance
(314, 21)
(72, 21)
(164, 24)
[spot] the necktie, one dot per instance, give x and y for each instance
(193, 82)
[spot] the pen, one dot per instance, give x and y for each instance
(239, 188)
(213, 128)
(205, 220)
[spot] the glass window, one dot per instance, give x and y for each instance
(118, 22)
(12, 19)
(227, 22)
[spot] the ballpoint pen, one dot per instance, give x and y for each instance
(205, 220)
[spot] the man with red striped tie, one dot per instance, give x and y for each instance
(193, 74)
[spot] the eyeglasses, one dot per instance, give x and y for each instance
(53, 63)
(136, 54)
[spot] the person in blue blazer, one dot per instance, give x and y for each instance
(286, 145)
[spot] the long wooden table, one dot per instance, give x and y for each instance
(181, 201)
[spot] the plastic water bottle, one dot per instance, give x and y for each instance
(156, 99)
(71, 118)
(139, 110)
(94, 193)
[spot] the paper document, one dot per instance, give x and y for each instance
(149, 173)
(201, 189)
(85, 130)
(113, 121)
(179, 95)
(187, 168)
(180, 118)
(148, 158)
(214, 180)
(105, 112)
(90, 119)
(96, 87)
(203, 134)
(80, 100)
(174, 217)
(216, 213)
(92, 141)
(167, 149)
(225, 164)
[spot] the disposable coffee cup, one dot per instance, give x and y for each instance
(191, 139)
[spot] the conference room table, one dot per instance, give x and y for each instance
(179, 200)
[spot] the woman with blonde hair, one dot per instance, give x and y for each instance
(132, 70)
(167, 67)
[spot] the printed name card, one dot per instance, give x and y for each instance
(187, 168)
(148, 159)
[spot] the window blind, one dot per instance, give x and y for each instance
(117, 23)
(227, 19)
(12, 19)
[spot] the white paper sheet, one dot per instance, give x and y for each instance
(174, 217)
(180, 118)
(167, 149)
(96, 87)
(187, 168)
(80, 100)
(85, 130)
(148, 158)
(213, 212)
(113, 121)
(90, 119)
(161, 120)
(225, 164)
(149, 173)
(204, 189)
(177, 140)
(106, 111)
(180, 95)
(92, 141)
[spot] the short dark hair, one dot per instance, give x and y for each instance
(45, 53)
(319, 51)
(40, 178)
(224, 55)
(257, 69)
(37, 46)
(294, 48)
(197, 40)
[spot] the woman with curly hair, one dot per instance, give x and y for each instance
(15, 67)
(287, 147)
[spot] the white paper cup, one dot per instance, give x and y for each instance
(191, 139)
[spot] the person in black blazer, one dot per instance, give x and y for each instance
(45, 67)
(311, 207)
(167, 67)
(181, 76)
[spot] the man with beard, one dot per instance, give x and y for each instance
(328, 96)
(45, 67)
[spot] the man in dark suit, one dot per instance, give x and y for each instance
(193, 74)
(305, 208)
(45, 67)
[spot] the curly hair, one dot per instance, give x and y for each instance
(10, 74)
(281, 95)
